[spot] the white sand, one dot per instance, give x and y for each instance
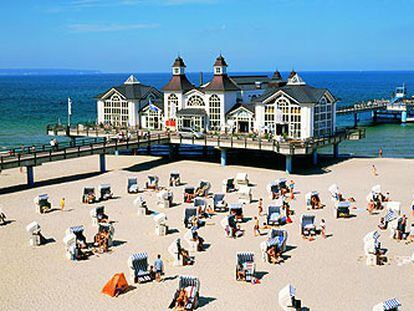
(329, 274)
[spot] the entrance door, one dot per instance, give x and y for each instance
(243, 126)
(187, 123)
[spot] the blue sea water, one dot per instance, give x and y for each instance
(29, 103)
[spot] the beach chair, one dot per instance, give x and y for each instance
(307, 225)
(189, 213)
(241, 179)
(98, 215)
(372, 247)
(2, 217)
(161, 227)
(88, 196)
(189, 194)
(334, 192)
(192, 244)
(174, 250)
(152, 182)
(35, 237)
(220, 205)
(132, 186)
(393, 206)
(245, 264)
(191, 286)
(107, 227)
(392, 304)
(245, 194)
(391, 219)
(274, 214)
(229, 225)
(42, 204)
(105, 192)
(165, 198)
(273, 189)
(138, 268)
(141, 205)
(287, 299)
(200, 203)
(237, 211)
(314, 195)
(276, 238)
(228, 185)
(203, 188)
(175, 179)
(342, 209)
(74, 235)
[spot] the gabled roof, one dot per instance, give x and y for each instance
(303, 94)
(249, 79)
(133, 91)
(178, 83)
(221, 83)
(248, 106)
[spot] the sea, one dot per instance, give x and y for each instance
(28, 103)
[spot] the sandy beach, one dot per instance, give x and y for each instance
(329, 274)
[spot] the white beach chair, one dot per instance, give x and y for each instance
(138, 268)
(141, 206)
(165, 198)
(88, 196)
(132, 186)
(161, 227)
(308, 198)
(34, 233)
(103, 226)
(371, 246)
(245, 194)
(97, 215)
(42, 203)
(188, 238)
(392, 304)
(394, 206)
(334, 191)
(342, 209)
(307, 224)
(173, 250)
(287, 298)
(241, 179)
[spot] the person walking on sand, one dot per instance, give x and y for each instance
(292, 189)
(62, 204)
(260, 207)
(159, 268)
(380, 152)
(256, 228)
(323, 228)
(374, 170)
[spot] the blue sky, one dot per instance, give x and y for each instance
(145, 35)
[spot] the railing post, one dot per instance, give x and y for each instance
(18, 158)
(116, 145)
(79, 151)
(87, 131)
(205, 140)
(91, 145)
(50, 155)
(35, 159)
(245, 142)
(159, 138)
(260, 143)
(77, 129)
(104, 145)
(218, 141)
(231, 141)
(1, 163)
(64, 153)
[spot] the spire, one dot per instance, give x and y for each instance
(277, 75)
(295, 79)
(132, 80)
(178, 66)
(220, 66)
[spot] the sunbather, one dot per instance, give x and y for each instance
(260, 207)
(316, 202)
(198, 239)
(241, 273)
(371, 206)
(383, 224)
(2, 218)
(182, 300)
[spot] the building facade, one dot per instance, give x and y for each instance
(240, 104)
(131, 105)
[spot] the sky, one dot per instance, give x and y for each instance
(146, 35)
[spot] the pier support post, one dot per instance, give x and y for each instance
(374, 116)
(223, 157)
(102, 163)
(355, 119)
(315, 157)
(172, 152)
(289, 160)
(116, 152)
(149, 149)
(336, 150)
(205, 151)
(30, 176)
(404, 117)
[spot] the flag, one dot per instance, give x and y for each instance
(152, 106)
(69, 106)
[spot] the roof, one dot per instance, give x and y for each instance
(220, 61)
(277, 76)
(179, 62)
(134, 91)
(191, 112)
(221, 83)
(248, 106)
(131, 80)
(178, 83)
(249, 79)
(303, 94)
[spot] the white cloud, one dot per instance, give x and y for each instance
(84, 28)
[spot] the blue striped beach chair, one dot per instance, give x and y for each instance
(280, 236)
(307, 224)
(274, 215)
(245, 262)
(191, 285)
(138, 265)
(392, 304)
(219, 203)
(189, 213)
(390, 216)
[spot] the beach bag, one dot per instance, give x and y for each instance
(288, 220)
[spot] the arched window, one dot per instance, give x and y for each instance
(214, 111)
(172, 106)
(270, 116)
(195, 100)
(283, 105)
(322, 116)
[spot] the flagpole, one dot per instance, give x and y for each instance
(69, 110)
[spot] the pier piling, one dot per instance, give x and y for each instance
(315, 157)
(102, 163)
(30, 176)
(289, 160)
(336, 150)
(223, 157)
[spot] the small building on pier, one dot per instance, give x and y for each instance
(131, 104)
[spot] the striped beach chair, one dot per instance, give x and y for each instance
(200, 202)
(189, 213)
(392, 304)
(237, 211)
(287, 298)
(132, 186)
(274, 215)
(307, 224)
(220, 205)
(245, 261)
(191, 285)
(280, 236)
(138, 266)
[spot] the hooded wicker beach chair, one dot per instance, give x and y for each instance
(138, 268)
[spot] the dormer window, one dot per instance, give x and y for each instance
(176, 70)
(218, 70)
(258, 84)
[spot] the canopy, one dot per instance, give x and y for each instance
(391, 304)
